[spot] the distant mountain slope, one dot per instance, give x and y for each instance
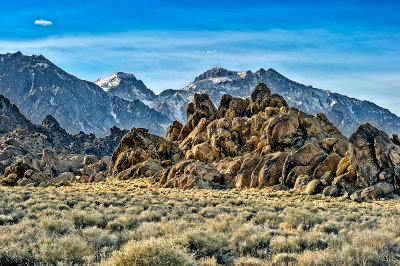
(344, 112)
(126, 86)
(38, 87)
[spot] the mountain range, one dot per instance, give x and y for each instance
(38, 87)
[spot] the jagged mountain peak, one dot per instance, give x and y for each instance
(20, 55)
(115, 80)
(215, 72)
(125, 75)
(126, 86)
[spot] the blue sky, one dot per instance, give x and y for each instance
(350, 47)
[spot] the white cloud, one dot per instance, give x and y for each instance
(43, 22)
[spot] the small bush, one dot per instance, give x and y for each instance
(290, 244)
(249, 261)
(208, 261)
(5, 219)
(151, 253)
(55, 225)
(87, 218)
(302, 218)
(204, 244)
(64, 249)
(329, 228)
(249, 240)
(98, 238)
(123, 222)
(150, 216)
(285, 259)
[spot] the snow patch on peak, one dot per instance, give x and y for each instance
(109, 82)
(44, 65)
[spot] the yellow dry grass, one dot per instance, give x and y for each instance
(139, 223)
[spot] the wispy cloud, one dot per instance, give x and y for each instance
(43, 22)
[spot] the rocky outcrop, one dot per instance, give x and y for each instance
(173, 131)
(303, 162)
(201, 108)
(375, 160)
(138, 146)
(257, 142)
(50, 151)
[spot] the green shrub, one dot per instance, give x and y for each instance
(55, 225)
(302, 218)
(150, 216)
(87, 218)
(250, 240)
(153, 252)
(64, 249)
(285, 259)
(204, 244)
(249, 261)
(123, 222)
(329, 228)
(290, 244)
(98, 238)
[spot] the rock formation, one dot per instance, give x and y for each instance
(48, 152)
(261, 142)
(246, 143)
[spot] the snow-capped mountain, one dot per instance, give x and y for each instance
(38, 87)
(126, 86)
(345, 112)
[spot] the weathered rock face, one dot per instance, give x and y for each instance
(261, 98)
(202, 108)
(271, 171)
(375, 161)
(302, 162)
(138, 146)
(189, 174)
(173, 131)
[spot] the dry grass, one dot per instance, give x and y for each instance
(136, 223)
